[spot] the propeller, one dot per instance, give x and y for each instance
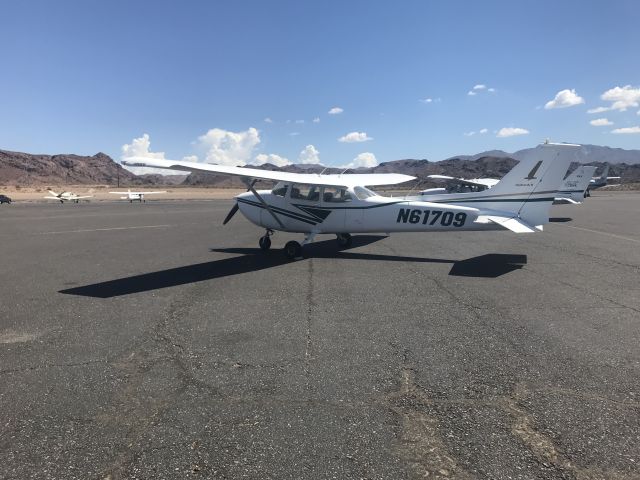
(235, 207)
(231, 213)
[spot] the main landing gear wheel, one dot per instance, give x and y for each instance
(293, 250)
(344, 240)
(265, 243)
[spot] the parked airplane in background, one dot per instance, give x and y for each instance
(66, 197)
(459, 185)
(574, 187)
(601, 181)
(131, 196)
(341, 204)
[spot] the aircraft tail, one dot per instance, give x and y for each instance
(528, 190)
(53, 193)
(605, 173)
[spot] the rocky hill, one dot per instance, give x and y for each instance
(27, 169)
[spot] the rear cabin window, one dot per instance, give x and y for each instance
(301, 191)
(363, 193)
(336, 195)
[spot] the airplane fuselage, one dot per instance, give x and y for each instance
(372, 214)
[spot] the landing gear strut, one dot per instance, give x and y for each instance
(344, 240)
(265, 241)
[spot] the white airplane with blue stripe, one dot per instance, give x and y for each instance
(341, 204)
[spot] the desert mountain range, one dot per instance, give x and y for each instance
(24, 169)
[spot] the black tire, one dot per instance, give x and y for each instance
(265, 243)
(344, 240)
(293, 250)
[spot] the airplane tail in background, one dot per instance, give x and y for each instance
(528, 190)
(605, 173)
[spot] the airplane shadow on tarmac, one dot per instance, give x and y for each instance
(490, 265)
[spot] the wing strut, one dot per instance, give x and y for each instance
(266, 205)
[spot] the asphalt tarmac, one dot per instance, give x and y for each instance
(148, 341)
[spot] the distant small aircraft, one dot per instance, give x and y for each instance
(601, 181)
(66, 197)
(131, 196)
(341, 204)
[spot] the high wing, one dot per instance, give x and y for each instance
(341, 180)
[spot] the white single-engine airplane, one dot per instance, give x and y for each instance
(601, 181)
(341, 204)
(131, 196)
(66, 197)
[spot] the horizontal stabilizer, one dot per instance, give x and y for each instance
(510, 223)
(565, 201)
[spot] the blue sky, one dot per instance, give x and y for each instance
(88, 76)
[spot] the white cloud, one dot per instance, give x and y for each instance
(600, 122)
(272, 158)
(229, 148)
(511, 132)
(622, 97)
(354, 137)
(564, 98)
(626, 130)
(309, 155)
(268, 120)
(299, 122)
(480, 88)
(335, 111)
(316, 120)
(365, 159)
(482, 131)
(427, 100)
(294, 134)
(598, 110)
(139, 147)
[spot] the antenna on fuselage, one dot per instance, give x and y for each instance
(345, 170)
(323, 170)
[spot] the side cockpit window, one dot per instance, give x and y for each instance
(310, 193)
(336, 195)
(280, 190)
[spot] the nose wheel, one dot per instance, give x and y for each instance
(265, 241)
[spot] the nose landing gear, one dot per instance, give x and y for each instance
(265, 241)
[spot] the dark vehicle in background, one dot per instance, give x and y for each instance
(4, 199)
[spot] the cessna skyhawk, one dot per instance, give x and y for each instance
(131, 196)
(66, 197)
(341, 204)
